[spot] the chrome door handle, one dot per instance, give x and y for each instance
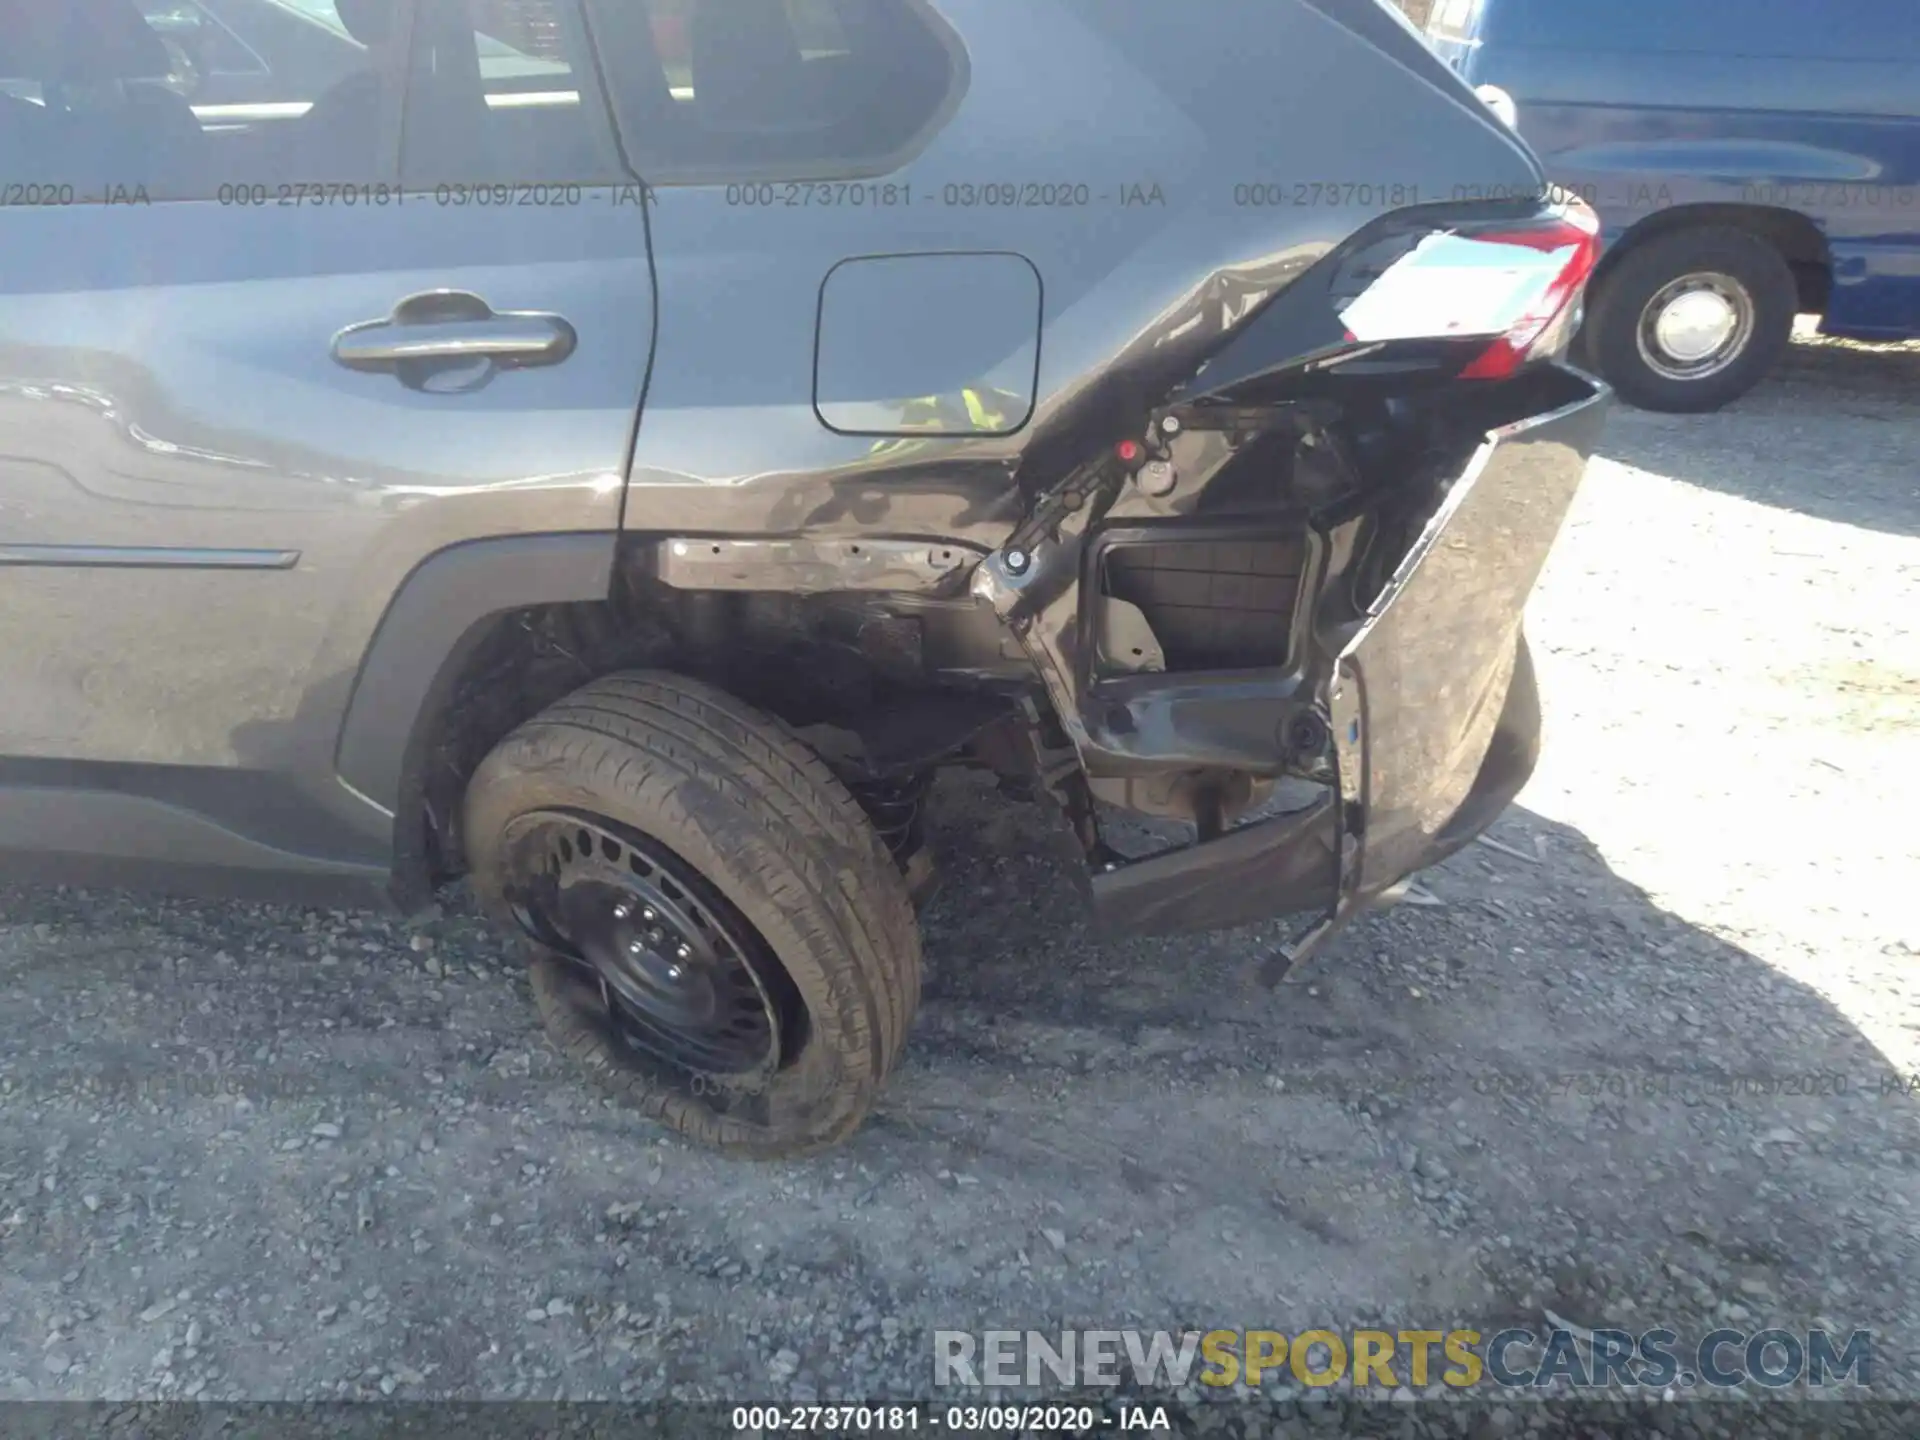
(446, 327)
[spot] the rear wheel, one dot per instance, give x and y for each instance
(1691, 320)
(716, 930)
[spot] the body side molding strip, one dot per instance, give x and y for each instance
(148, 557)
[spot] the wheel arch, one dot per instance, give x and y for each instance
(1799, 241)
(434, 626)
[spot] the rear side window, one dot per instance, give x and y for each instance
(287, 103)
(504, 92)
(204, 39)
(105, 101)
(816, 89)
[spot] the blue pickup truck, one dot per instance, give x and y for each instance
(1750, 160)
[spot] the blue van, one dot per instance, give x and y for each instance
(1750, 159)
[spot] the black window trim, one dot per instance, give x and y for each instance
(653, 169)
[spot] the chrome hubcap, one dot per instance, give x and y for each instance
(1695, 326)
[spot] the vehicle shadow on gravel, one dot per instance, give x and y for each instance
(1542, 1092)
(1775, 446)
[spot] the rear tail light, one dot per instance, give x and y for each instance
(1462, 292)
(1514, 284)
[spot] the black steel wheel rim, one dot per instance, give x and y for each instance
(681, 979)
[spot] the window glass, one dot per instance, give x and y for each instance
(197, 41)
(104, 100)
(503, 92)
(816, 88)
(325, 11)
(1453, 19)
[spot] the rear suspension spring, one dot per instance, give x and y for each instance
(897, 809)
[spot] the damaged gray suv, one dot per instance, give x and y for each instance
(619, 451)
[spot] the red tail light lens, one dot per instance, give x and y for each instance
(1514, 283)
(1572, 243)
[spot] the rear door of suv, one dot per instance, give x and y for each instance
(262, 356)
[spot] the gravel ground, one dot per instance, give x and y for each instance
(251, 1152)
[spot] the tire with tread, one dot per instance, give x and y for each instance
(1609, 340)
(758, 816)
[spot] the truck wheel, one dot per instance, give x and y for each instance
(716, 930)
(1688, 321)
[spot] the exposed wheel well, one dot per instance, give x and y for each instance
(1797, 238)
(831, 666)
